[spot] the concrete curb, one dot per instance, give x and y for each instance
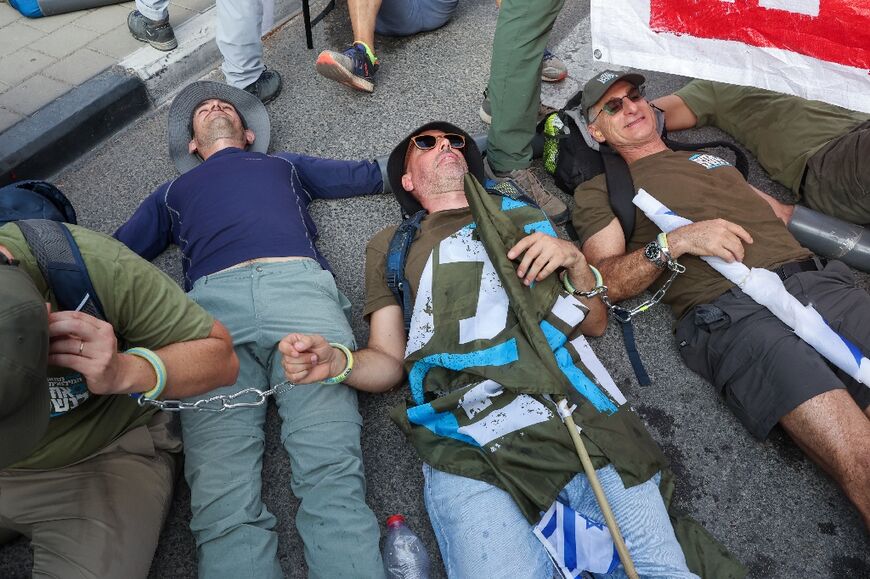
(66, 128)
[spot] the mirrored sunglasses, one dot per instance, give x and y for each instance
(614, 105)
(427, 142)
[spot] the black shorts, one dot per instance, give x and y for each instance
(763, 370)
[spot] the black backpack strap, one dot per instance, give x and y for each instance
(62, 266)
(741, 163)
(620, 188)
(397, 255)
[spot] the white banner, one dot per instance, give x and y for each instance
(817, 49)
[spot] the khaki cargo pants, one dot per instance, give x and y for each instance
(99, 518)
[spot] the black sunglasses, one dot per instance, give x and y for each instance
(614, 105)
(427, 142)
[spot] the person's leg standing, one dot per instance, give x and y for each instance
(153, 9)
(521, 36)
(239, 40)
(321, 427)
(149, 22)
(224, 451)
(514, 95)
(100, 518)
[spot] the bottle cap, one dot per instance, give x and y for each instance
(395, 520)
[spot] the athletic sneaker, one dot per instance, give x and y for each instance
(157, 33)
(554, 69)
(554, 207)
(485, 111)
(355, 67)
(267, 87)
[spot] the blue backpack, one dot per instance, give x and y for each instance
(40, 209)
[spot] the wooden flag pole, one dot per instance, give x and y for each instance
(618, 541)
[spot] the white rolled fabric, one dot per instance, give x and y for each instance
(767, 289)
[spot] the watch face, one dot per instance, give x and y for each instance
(652, 251)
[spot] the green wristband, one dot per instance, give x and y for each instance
(159, 370)
(347, 369)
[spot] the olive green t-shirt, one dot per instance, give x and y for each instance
(433, 228)
(145, 307)
(782, 131)
(697, 186)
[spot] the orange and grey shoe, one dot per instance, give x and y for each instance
(554, 69)
(355, 67)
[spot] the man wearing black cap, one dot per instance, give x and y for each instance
(767, 374)
(87, 472)
(495, 340)
(240, 218)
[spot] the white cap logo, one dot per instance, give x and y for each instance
(606, 76)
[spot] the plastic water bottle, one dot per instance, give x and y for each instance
(404, 554)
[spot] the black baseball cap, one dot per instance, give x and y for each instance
(599, 84)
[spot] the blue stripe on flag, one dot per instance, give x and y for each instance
(441, 423)
(570, 541)
(499, 355)
(543, 226)
(555, 338)
(550, 527)
(856, 353)
(582, 384)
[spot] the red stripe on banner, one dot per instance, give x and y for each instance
(840, 33)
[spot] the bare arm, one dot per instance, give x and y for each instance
(88, 345)
(780, 209)
(628, 274)
(376, 368)
(678, 115)
(625, 274)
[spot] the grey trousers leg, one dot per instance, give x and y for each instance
(238, 38)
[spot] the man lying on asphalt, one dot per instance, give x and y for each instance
(496, 336)
(240, 218)
(817, 150)
(91, 484)
(766, 373)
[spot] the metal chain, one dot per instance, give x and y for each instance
(222, 401)
(624, 315)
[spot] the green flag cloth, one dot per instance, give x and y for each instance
(488, 357)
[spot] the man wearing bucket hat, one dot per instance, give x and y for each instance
(240, 218)
(85, 471)
(494, 341)
(766, 373)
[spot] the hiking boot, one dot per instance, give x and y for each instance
(267, 87)
(554, 69)
(157, 33)
(554, 207)
(485, 111)
(355, 67)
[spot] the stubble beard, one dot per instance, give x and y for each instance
(221, 127)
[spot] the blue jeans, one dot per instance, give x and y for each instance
(407, 17)
(320, 430)
(482, 533)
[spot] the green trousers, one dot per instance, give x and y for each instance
(521, 36)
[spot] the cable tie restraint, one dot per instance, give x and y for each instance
(159, 369)
(348, 367)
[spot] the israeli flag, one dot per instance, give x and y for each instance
(767, 289)
(575, 543)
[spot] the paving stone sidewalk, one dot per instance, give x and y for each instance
(43, 58)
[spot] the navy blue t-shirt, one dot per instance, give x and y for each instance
(239, 205)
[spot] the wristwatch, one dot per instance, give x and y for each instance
(656, 254)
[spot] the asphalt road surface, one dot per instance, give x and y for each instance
(773, 508)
